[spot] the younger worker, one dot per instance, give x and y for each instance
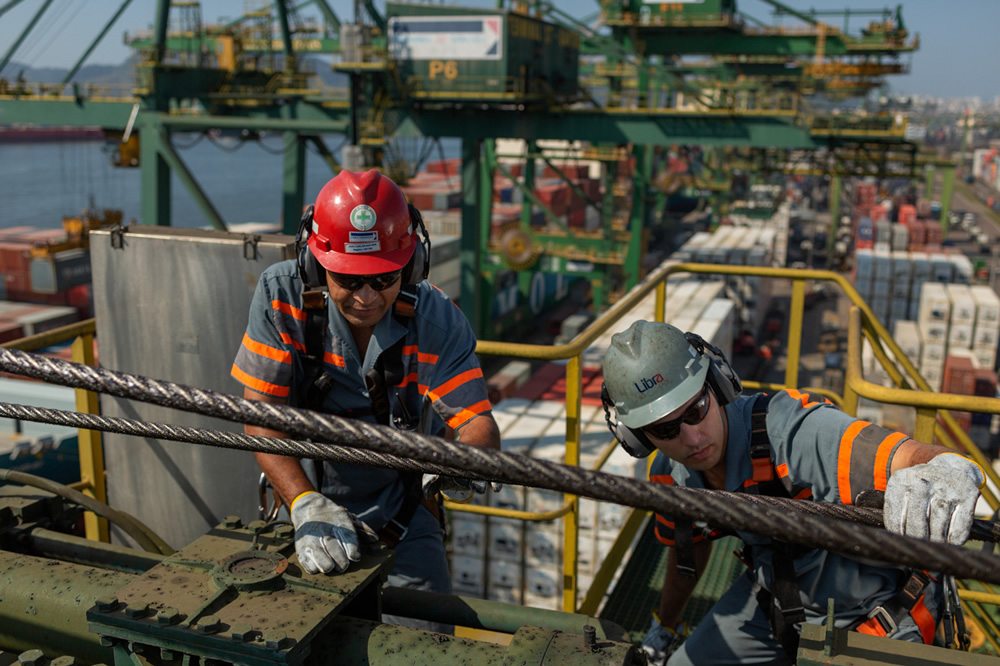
(672, 392)
(353, 328)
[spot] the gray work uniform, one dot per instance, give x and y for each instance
(823, 454)
(442, 383)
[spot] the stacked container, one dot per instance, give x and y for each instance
(933, 318)
(986, 330)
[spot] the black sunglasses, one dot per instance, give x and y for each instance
(379, 282)
(693, 415)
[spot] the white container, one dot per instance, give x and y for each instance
(986, 356)
(987, 304)
(907, 336)
(933, 354)
(935, 306)
(543, 589)
(504, 573)
(506, 539)
(960, 336)
(468, 575)
(963, 306)
(543, 544)
(468, 537)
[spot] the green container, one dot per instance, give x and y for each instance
(489, 55)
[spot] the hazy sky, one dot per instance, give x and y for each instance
(957, 55)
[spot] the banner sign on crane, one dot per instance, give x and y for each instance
(452, 38)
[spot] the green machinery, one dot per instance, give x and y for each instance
(237, 595)
(629, 101)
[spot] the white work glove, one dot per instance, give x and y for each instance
(325, 536)
(660, 642)
(934, 500)
(455, 488)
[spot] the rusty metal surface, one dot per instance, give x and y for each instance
(820, 646)
(43, 603)
(235, 594)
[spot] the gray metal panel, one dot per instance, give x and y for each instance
(172, 304)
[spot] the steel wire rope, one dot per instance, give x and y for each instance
(721, 509)
(267, 149)
(982, 530)
(199, 137)
(33, 42)
(222, 146)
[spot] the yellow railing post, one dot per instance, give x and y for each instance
(795, 341)
(91, 446)
(574, 391)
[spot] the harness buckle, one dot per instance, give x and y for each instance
(393, 532)
(884, 618)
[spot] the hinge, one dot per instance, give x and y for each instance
(118, 237)
(250, 246)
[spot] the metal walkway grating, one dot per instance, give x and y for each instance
(638, 589)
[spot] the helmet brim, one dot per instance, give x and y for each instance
(363, 264)
(669, 401)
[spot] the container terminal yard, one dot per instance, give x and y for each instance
(743, 178)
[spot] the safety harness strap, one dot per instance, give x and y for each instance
(884, 620)
(760, 445)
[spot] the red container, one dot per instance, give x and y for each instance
(959, 375)
(10, 330)
(576, 217)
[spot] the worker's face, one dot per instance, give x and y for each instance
(701, 445)
(363, 299)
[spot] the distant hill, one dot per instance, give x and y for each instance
(124, 73)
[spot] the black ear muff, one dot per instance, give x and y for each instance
(722, 378)
(419, 266)
(309, 269)
(635, 442)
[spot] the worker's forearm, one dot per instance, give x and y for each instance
(286, 475)
(912, 452)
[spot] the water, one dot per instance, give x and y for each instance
(43, 182)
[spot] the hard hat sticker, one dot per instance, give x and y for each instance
(363, 217)
(362, 236)
(360, 248)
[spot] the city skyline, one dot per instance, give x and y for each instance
(953, 59)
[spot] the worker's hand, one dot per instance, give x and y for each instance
(934, 500)
(325, 536)
(456, 488)
(660, 641)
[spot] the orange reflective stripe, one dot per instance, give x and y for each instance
(287, 339)
(259, 385)
(412, 379)
(662, 478)
(924, 620)
(805, 493)
(882, 458)
(803, 398)
(288, 310)
(410, 350)
(455, 382)
(268, 352)
(334, 359)
(844, 461)
(469, 413)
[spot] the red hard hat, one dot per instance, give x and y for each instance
(361, 225)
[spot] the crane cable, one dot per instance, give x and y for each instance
(763, 516)
(982, 530)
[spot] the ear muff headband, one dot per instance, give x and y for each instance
(309, 269)
(419, 266)
(722, 378)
